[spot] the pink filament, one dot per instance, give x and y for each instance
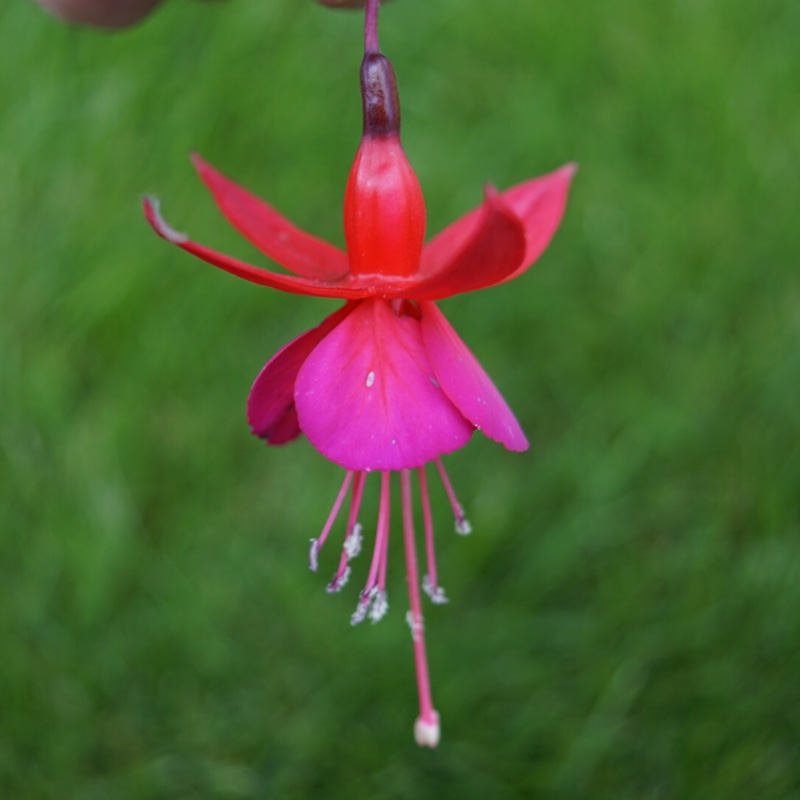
(376, 580)
(428, 524)
(352, 518)
(462, 523)
(316, 545)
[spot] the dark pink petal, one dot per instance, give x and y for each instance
(271, 232)
(539, 206)
(492, 250)
(465, 382)
(367, 398)
(270, 406)
(263, 277)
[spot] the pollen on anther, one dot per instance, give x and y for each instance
(434, 591)
(463, 526)
(352, 544)
(338, 582)
(370, 379)
(380, 605)
(313, 553)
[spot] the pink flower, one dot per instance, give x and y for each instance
(385, 384)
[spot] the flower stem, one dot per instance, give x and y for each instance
(371, 27)
(426, 729)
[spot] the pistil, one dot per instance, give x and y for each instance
(426, 728)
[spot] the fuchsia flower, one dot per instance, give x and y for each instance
(385, 384)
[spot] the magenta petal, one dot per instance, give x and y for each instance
(270, 406)
(491, 252)
(465, 382)
(367, 398)
(271, 232)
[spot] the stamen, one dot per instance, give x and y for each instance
(353, 538)
(352, 544)
(338, 581)
(380, 605)
(462, 523)
(364, 602)
(316, 544)
(374, 594)
(426, 728)
(434, 591)
(430, 583)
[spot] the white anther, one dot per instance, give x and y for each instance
(339, 580)
(380, 605)
(462, 523)
(352, 544)
(364, 603)
(313, 553)
(435, 592)
(370, 379)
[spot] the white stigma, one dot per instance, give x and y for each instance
(436, 593)
(370, 379)
(313, 552)
(427, 734)
(352, 544)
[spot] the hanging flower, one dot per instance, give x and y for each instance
(385, 384)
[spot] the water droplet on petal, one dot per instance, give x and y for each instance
(370, 379)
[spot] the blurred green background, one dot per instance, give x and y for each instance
(625, 620)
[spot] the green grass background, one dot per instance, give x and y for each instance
(625, 620)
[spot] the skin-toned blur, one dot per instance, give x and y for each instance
(122, 13)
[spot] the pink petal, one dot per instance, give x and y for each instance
(263, 277)
(367, 399)
(539, 206)
(465, 382)
(491, 252)
(271, 232)
(270, 406)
